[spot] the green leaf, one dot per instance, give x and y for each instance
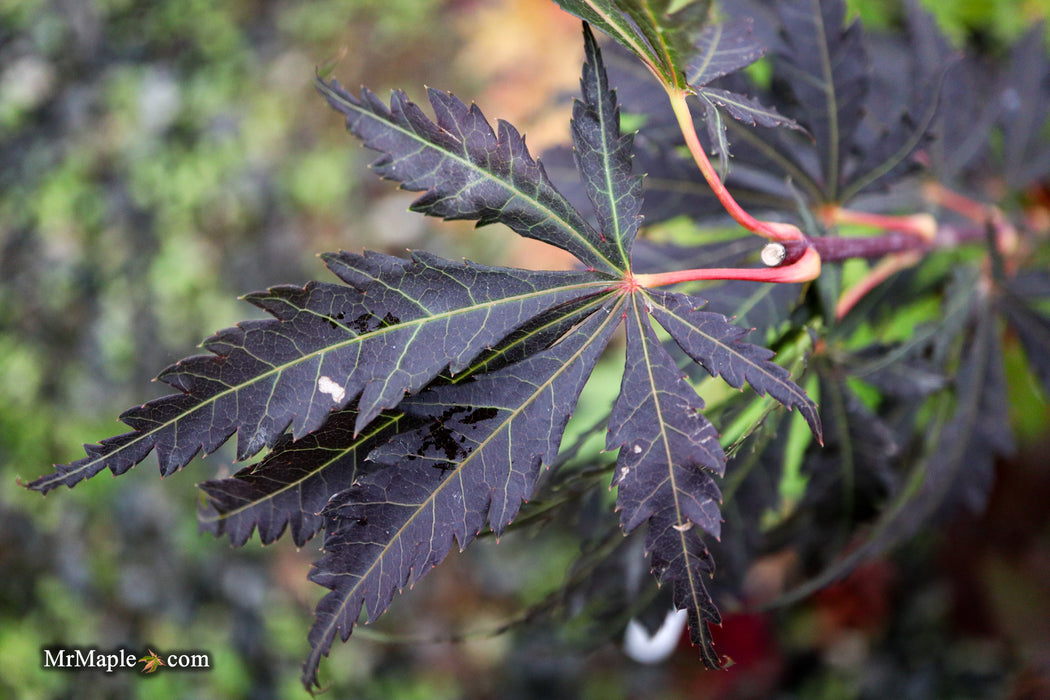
(662, 33)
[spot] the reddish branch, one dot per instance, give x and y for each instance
(794, 257)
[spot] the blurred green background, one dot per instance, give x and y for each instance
(158, 159)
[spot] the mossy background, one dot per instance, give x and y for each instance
(158, 159)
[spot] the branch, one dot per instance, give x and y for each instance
(769, 229)
(803, 269)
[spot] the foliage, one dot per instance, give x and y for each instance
(422, 400)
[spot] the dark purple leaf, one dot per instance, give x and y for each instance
(468, 171)
(603, 156)
(1031, 285)
(668, 449)
(717, 345)
(472, 465)
(1033, 330)
(746, 109)
(294, 482)
(1025, 102)
(668, 454)
(894, 372)
(825, 64)
(326, 344)
(722, 48)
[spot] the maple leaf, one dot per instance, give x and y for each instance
(721, 49)
(474, 464)
(603, 156)
(292, 484)
(469, 171)
(668, 452)
(418, 402)
(151, 662)
(326, 345)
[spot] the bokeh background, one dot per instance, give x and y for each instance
(158, 159)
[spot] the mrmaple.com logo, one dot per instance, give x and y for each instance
(72, 659)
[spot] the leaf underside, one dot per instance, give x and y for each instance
(662, 34)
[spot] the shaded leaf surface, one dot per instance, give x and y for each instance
(468, 171)
(668, 454)
(716, 344)
(825, 65)
(969, 434)
(722, 48)
(472, 465)
(1033, 330)
(326, 344)
(603, 156)
(293, 483)
(960, 468)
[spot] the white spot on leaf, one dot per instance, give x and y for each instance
(326, 386)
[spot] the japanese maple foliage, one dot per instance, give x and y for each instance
(418, 402)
